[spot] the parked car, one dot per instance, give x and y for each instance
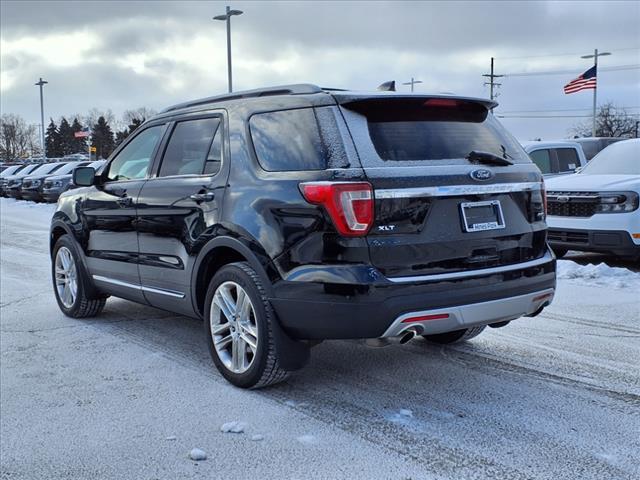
(289, 215)
(13, 183)
(592, 145)
(32, 184)
(556, 158)
(596, 210)
(6, 173)
(54, 185)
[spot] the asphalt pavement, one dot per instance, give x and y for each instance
(129, 394)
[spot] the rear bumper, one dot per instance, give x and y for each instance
(617, 242)
(428, 322)
(322, 310)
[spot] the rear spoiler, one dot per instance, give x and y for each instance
(346, 98)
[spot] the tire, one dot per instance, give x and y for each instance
(560, 252)
(241, 363)
(80, 305)
(456, 336)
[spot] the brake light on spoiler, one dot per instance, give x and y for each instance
(349, 204)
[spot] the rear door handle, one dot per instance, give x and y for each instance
(202, 197)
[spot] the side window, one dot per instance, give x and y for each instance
(133, 160)
(567, 159)
(195, 147)
(288, 140)
(542, 159)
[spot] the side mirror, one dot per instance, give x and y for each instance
(84, 176)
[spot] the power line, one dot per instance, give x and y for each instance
(613, 68)
(556, 116)
(558, 110)
(563, 54)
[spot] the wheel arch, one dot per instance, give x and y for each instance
(224, 250)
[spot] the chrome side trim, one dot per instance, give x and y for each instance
(120, 283)
(470, 315)
(456, 190)
(473, 273)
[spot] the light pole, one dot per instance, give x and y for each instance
(227, 17)
(41, 83)
(412, 83)
(595, 64)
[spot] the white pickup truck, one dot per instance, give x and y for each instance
(557, 157)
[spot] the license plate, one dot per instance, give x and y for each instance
(481, 216)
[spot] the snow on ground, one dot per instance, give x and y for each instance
(132, 393)
(600, 275)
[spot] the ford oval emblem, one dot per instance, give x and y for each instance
(481, 174)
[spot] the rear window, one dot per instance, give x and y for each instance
(426, 130)
(288, 140)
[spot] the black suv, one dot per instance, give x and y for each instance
(289, 215)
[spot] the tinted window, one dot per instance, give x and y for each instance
(542, 159)
(410, 130)
(192, 149)
(288, 140)
(567, 159)
(133, 160)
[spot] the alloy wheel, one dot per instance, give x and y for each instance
(66, 277)
(234, 328)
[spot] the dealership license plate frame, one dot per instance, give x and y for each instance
(494, 222)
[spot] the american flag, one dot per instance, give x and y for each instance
(85, 132)
(584, 82)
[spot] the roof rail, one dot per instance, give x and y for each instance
(295, 89)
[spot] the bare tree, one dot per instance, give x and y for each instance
(17, 139)
(611, 121)
(142, 113)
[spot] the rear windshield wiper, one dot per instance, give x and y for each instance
(487, 158)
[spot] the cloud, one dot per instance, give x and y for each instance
(122, 55)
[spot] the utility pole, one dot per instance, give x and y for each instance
(412, 83)
(595, 90)
(227, 18)
(40, 84)
(491, 82)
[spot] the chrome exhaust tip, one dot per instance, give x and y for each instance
(407, 336)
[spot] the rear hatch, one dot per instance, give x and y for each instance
(437, 211)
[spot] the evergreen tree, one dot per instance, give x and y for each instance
(103, 138)
(65, 132)
(121, 136)
(133, 125)
(79, 144)
(52, 141)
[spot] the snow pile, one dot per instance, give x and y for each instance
(600, 275)
(233, 427)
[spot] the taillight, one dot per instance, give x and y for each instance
(349, 204)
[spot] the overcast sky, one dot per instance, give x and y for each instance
(124, 55)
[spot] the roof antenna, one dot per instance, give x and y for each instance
(389, 86)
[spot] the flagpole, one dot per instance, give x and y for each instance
(595, 90)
